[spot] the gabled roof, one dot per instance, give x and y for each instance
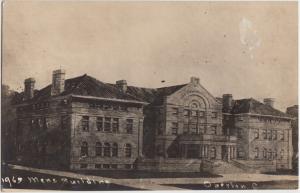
(88, 86)
(253, 106)
(165, 91)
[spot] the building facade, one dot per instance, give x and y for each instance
(83, 123)
(293, 111)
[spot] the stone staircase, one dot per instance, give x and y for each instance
(227, 167)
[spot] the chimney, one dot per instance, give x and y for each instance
(58, 82)
(195, 80)
(227, 102)
(269, 101)
(29, 88)
(122, 85)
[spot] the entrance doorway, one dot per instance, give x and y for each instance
(224, 152)
(192, 151)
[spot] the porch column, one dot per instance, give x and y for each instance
(185, 150)
(234, 151)
(200, 151)
(229, 153)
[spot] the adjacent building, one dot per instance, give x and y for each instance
(83, 123)
(293, 111)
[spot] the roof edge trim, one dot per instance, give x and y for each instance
(109, 99)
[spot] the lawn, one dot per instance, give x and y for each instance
(123, 174)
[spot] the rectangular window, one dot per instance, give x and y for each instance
(274, 133)
(270, 154)
(99, 106)
(129, 126)
(214, 115)
(201, 114)
(107, 107)
(115, 125)
(193, 128)
(256, 152)
(174, 128)
(213, 129)
(282, 135)
(186, 112)
(281, 154)
(106, 166)
(107, 124)
(201, 129)
(97, 166)
(123, 108)
(83, 166)
(175, 111)
(194, 113)
(115, 107)
(186, 128)
(264, 133)
(265, 153)
(239, 133)
(99, 123)
(256, 134)
(114, 166)
(85, 123)
(269, 134)
(128, 166)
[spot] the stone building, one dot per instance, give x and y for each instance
(293, 111)
(83, 123)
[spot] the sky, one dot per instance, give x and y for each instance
(247, 49)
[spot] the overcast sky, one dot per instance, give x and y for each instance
(246, 49)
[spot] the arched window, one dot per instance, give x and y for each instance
(106, 150)
(213, 153)
(127, 150)
(115, 150)
(98, 149)
(84, 149)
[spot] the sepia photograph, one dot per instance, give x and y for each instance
(156, 95)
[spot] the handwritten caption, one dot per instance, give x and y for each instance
(230, 185)
(13, 180)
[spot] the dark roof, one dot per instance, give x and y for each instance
(253, 106)
(165, 91)
(88, 86)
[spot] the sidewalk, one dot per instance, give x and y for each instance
(158, 183)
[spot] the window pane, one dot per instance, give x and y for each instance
(186, 113)
(129, 126)
(98, 149)
(115, 125)
(107, 124)
(85, 123)
(115, 150)
(99, 123)
(106, 150)
(84, 149)
(127, 150)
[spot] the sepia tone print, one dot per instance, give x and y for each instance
(95, 96)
